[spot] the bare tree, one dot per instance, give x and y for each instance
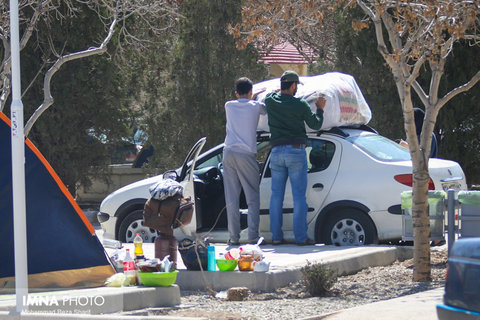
(413, 37)
(113, 14)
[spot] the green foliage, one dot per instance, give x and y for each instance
(318, 279)
(357, 55)
(204, 66)
(197, 80)
(457, 123)
(90, 96)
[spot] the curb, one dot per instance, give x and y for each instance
(271, 280)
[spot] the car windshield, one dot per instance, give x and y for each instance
(381, 148)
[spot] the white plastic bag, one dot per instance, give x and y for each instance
(252, 250)
(345, 104)
(117, 280)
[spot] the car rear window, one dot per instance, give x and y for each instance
(380, 148)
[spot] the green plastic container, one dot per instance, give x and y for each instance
(158, 279)
(436, 212)
(226, 264)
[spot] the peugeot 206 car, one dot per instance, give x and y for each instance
(355, 177)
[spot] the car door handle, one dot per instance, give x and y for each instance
(318, 186)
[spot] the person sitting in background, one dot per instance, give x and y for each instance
(419, 115)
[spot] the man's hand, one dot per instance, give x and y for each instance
(254, 96)
(320, 103)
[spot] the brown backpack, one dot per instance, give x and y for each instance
(166, 215)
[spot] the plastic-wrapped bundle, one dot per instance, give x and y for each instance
(345, 104)
(165, 188)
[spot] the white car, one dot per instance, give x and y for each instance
(355, 178)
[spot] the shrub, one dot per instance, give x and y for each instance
(318, 279)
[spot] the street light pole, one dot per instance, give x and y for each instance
(18, 165)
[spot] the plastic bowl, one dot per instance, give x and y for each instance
(158, 279)
(226, 265)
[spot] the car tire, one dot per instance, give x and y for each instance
(133, 224)
(349, 227)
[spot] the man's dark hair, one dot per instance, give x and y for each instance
(243, 85)
(286, 85)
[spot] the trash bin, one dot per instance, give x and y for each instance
(469, 213)
(436, 211)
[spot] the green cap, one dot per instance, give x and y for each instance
(289, 76)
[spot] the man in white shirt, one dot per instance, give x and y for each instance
(240, 166)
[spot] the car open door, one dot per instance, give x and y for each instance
(186, 180)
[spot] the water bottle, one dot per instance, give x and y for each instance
(212, 263)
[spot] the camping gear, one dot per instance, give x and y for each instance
(261, 266)
(245, 263)
(211, 264)
(54, 221)
(232, 254)
(117, 280)
(158, 279)
(252, 250)
(226, 265)
(345, 104)
(151, 265)
(188, 251)
(166, 246)
(167, 214)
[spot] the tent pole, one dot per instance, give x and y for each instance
(18, 165)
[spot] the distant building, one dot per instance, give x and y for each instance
(286, 57)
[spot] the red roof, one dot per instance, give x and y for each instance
(286, 53)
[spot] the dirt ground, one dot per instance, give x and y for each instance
(293, 302)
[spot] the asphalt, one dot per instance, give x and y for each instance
(285, 264)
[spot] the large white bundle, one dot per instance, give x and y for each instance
(345, 104)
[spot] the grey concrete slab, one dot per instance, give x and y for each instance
(96, 300)
(419, 306)
(286, 262)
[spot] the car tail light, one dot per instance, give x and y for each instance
(407, 179)
(446, 273)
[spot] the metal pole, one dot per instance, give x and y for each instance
(451, 218)
(18, 165)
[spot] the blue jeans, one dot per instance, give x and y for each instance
(288, 162)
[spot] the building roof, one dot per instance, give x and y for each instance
(286, 53)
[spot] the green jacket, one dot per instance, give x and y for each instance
(287, 116)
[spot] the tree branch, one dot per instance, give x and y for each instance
(48, 99)
(463, 88)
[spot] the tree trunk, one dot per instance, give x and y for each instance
(421, 177)
(421, 228)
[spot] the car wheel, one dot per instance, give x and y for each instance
(133, 224)
(349, 227)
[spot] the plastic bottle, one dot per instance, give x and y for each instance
(138, 242)
(212, 263)
(129, 268)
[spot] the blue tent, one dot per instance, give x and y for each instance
(62, 248)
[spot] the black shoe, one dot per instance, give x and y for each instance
(233, 242)
(278, 242)
(307, 242)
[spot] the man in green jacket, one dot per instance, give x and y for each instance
(287, 116)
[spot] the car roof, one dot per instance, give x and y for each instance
(344, 132)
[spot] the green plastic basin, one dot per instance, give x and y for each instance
(158, 279)
(226, 265)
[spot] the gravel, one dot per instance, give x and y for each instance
(294, 302)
